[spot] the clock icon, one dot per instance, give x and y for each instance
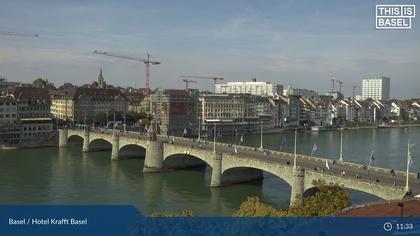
(387, 226)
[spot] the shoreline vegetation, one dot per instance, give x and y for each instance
(327, 200)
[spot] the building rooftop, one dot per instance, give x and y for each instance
(31, 93)
(409, 207)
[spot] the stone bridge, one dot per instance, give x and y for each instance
(247, 164)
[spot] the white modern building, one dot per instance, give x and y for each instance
(290, 91)
(376, 87)
(254, 88)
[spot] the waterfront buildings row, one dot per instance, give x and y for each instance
(25, 116)
(234, 107)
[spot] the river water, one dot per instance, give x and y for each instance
(68, 176)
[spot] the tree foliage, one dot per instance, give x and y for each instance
(41, 83)
(183, 213)
(252, 207)
(133, 117)
(100, 117)
(330, 198)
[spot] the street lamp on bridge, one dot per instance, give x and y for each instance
(294, 158)
(261, 143)
(214, 137)
(341, 145)
(409, 163)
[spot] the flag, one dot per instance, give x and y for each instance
(326, 164)
(372, 158)
(410, 160)
(236, 150)
(314, 149)
(242, 139)
(283, 144)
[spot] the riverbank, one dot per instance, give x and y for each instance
(389, 126)
(49, 142)
(29, 146)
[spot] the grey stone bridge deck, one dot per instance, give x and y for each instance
(249, 163)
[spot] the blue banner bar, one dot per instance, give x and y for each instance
(127, 220)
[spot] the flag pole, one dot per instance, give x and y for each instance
(262, 124)
(199, 128)
(214, 137)
(407, 188)
(294, 158)
(341, 146)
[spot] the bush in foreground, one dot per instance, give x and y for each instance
(329, 199)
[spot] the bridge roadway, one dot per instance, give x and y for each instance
(247, 164)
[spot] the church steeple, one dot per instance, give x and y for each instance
(101, 80)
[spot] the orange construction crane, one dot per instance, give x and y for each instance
(187, 83)
(18, 34)
(215, 79)
(354, 89)
(148, 61)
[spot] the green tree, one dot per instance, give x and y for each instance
(133, 117)
(100, 117)
(39, 83)
(252, 207)
(405, 116)
(329, 199)
(118, 115)
(184, 213)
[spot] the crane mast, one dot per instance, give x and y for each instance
(148, 61)
(215, 79)
(187, 83)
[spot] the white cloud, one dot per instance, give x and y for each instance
(22, 56)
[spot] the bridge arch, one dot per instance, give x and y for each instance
(99, 144)
(128, 144)
(75, 138)
(183, 161)
(182, 157)
(232, 163)
(132, 151)
(379, 190)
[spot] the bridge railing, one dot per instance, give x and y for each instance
(285, 154)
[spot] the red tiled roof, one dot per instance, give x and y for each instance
(385, 208)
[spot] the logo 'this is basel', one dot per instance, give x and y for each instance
(394, 16)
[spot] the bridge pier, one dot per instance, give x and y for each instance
(85, 142)
(153, 162)
(296, 198)
(216, 173)
(63, 137)
(115, 147)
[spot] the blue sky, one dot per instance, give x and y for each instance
(296, 42)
